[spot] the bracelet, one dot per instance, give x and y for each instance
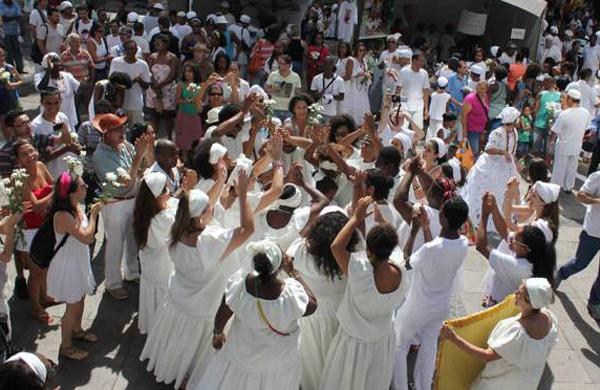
(277, 164)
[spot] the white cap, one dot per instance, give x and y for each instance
(64, 5)
(478, 70)
(158, 6)
(132, 17)
(405, 53)
(245, 19)
(191, 15)
(574, 94)
(198, 201)
(221, 20)
(156, 181)
(181, 14)
(509, 115)
(540, 292)
(211, 17)
(212, 116)
(442, 82)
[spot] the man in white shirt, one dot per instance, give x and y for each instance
(328, 88)
(282, 84)
(243, 38)
(50, 36)
(568, 133)
(140, 75)
(38, 17)
(125, 34)
(181, 29)
(591, 55)
(390, 60)
(589, 242)
(589, 100)
(413, 85)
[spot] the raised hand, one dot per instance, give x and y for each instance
(360, 212)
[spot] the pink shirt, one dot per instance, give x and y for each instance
(478, 116)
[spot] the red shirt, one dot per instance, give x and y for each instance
(78, 65)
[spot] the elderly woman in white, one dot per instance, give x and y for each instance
(518, 347)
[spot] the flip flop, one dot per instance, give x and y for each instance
(85, 335)
(73, 353)
(44, 318)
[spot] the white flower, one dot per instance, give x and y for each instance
(18, 184)
(111, 177)
(82, 153)
(74, 137)
(121, 172)
(6, 182)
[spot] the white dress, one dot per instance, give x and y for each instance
(356, 98)
(156, 266)
(254, 357)
(70, 275)
(505, 273)
(181, 335)
(318, 330)
(361, 355)
(490, 173)
(523, 358)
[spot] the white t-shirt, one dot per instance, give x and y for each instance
(142, 43)
(387, 57)
(332, 87)
(412, 84)
(243, 90)
(68, 86)
(112, 40)
(588, 96)
(83, 29)
(505, 274)
(35, 19)
(591, 57)
(54, 37)
(591, 221)
(66, 23)
(40, 125)
(437, 105)
(134, 95)
(286, 88)
(570, 127)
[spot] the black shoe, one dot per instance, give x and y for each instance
(21, 288)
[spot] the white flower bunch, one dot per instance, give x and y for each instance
(123, 174)
(4, 76)
(269, 104)
(315, 113)
(74, 165)
(109, 187)
(74, 138)
(12, 197)
(315, 55)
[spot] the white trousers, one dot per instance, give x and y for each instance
(427, 333)
(118, 228)
(417, 117)
(434, 126)
(564, 170)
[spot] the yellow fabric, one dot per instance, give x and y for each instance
(455, 369)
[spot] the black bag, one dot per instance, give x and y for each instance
(36, 53)
(43, 245)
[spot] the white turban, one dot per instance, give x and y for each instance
(242, 163)
(293, 201)
(46, 59)
(548, 192)
(509, 115)
(442, 148)
(216, 152)
(332, 209)
(33, 361)
(540, 292)
(269, 249)
(198, 202)
(328, 165)
(156, 181)
(542, 224)
(404, 140)
(257, 89)
(494, 50)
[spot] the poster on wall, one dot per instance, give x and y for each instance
(471, 23)
(374, 22)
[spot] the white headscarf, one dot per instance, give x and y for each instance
(46, 59)
(404, 140)
(442, 148)
(156, 181)
(198, 201)
(216, 152)
(540, 292)
(33, 361)
(293, 201)
(509, 115)
(542, 224)
(332, 209)
(548, 192)
(269, 249)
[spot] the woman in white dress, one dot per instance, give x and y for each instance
(519, 346)
(70, 275)
(497, 162)
(355, 73)
(526, 254)
(314, 261)
(180, 338)
(261, 349)
(361, 355)
(153, 217)
(7, 229)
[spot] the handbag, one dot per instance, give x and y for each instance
(465, 155)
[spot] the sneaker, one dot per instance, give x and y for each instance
(21, 288)
(118, 293)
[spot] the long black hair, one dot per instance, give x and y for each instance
(541, 255)
(319, 242)
(146, 207)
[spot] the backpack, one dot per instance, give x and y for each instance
(43, 245)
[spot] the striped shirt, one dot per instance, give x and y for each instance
(78, 65)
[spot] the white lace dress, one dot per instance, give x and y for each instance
(490, 173)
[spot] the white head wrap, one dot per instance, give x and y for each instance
(545, 228)
(293, 201)
(328, 165)
(132, 17)
(242, 163)
(405, 53)
(478, 70)
(212, 116)
(190, 15)
(156, 181)
(548, 192)
(245, 19)
(33, 361)
(270, 249)
(509, 115)
(494, 50)
(456, 172)
(442, 82)
(216, 152)
(404, 140)
(198, 202)
(573, 93)
(442, 148)
(540, 292)
(257, 89)
(46, 59)
(332, 209)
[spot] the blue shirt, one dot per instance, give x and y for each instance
(455, 88)
(8, 12)
(107, 159)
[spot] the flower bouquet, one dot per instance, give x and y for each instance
(270, 111)
(12, 197)
(315, 55)
(4, 76)
(74, 165)
(315, 113)
(110, 187)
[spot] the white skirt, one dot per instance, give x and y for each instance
(354, 364)
(151, 297)
(316, 334)
(222, 374)
(69, 279)
(176, 343)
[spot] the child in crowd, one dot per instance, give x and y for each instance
(438, 105)
(524, 133)
(447, 131)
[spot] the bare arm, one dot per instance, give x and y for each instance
(7, 227)
(484, 354)
(339, 244)
(223, 315)
(246, 228)
(66, 223)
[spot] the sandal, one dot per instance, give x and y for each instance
(85, 335)
(43, 317)
(73, 353)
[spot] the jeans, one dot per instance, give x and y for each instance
(13, 51)
(495, 123)
(473, 138)
(586, 250)
(540, 139)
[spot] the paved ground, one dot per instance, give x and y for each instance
(573, 365)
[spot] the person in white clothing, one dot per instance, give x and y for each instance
(373, 293)
(7, 228)
(413, 85)
(434, 267)
(438, 105)
(566, 137)
(591, 55)
(328, 89)
(519, 346)
(589, 99)
(347, 19)
(261, 349)
(550, 50)
(391, 63)
(178, 343)
(70, 275)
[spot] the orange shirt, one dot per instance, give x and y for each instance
(515, 72)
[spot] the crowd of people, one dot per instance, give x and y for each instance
(296, 205)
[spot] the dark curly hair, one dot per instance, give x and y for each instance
(319, 242)
(381, 241)
(381, 183)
